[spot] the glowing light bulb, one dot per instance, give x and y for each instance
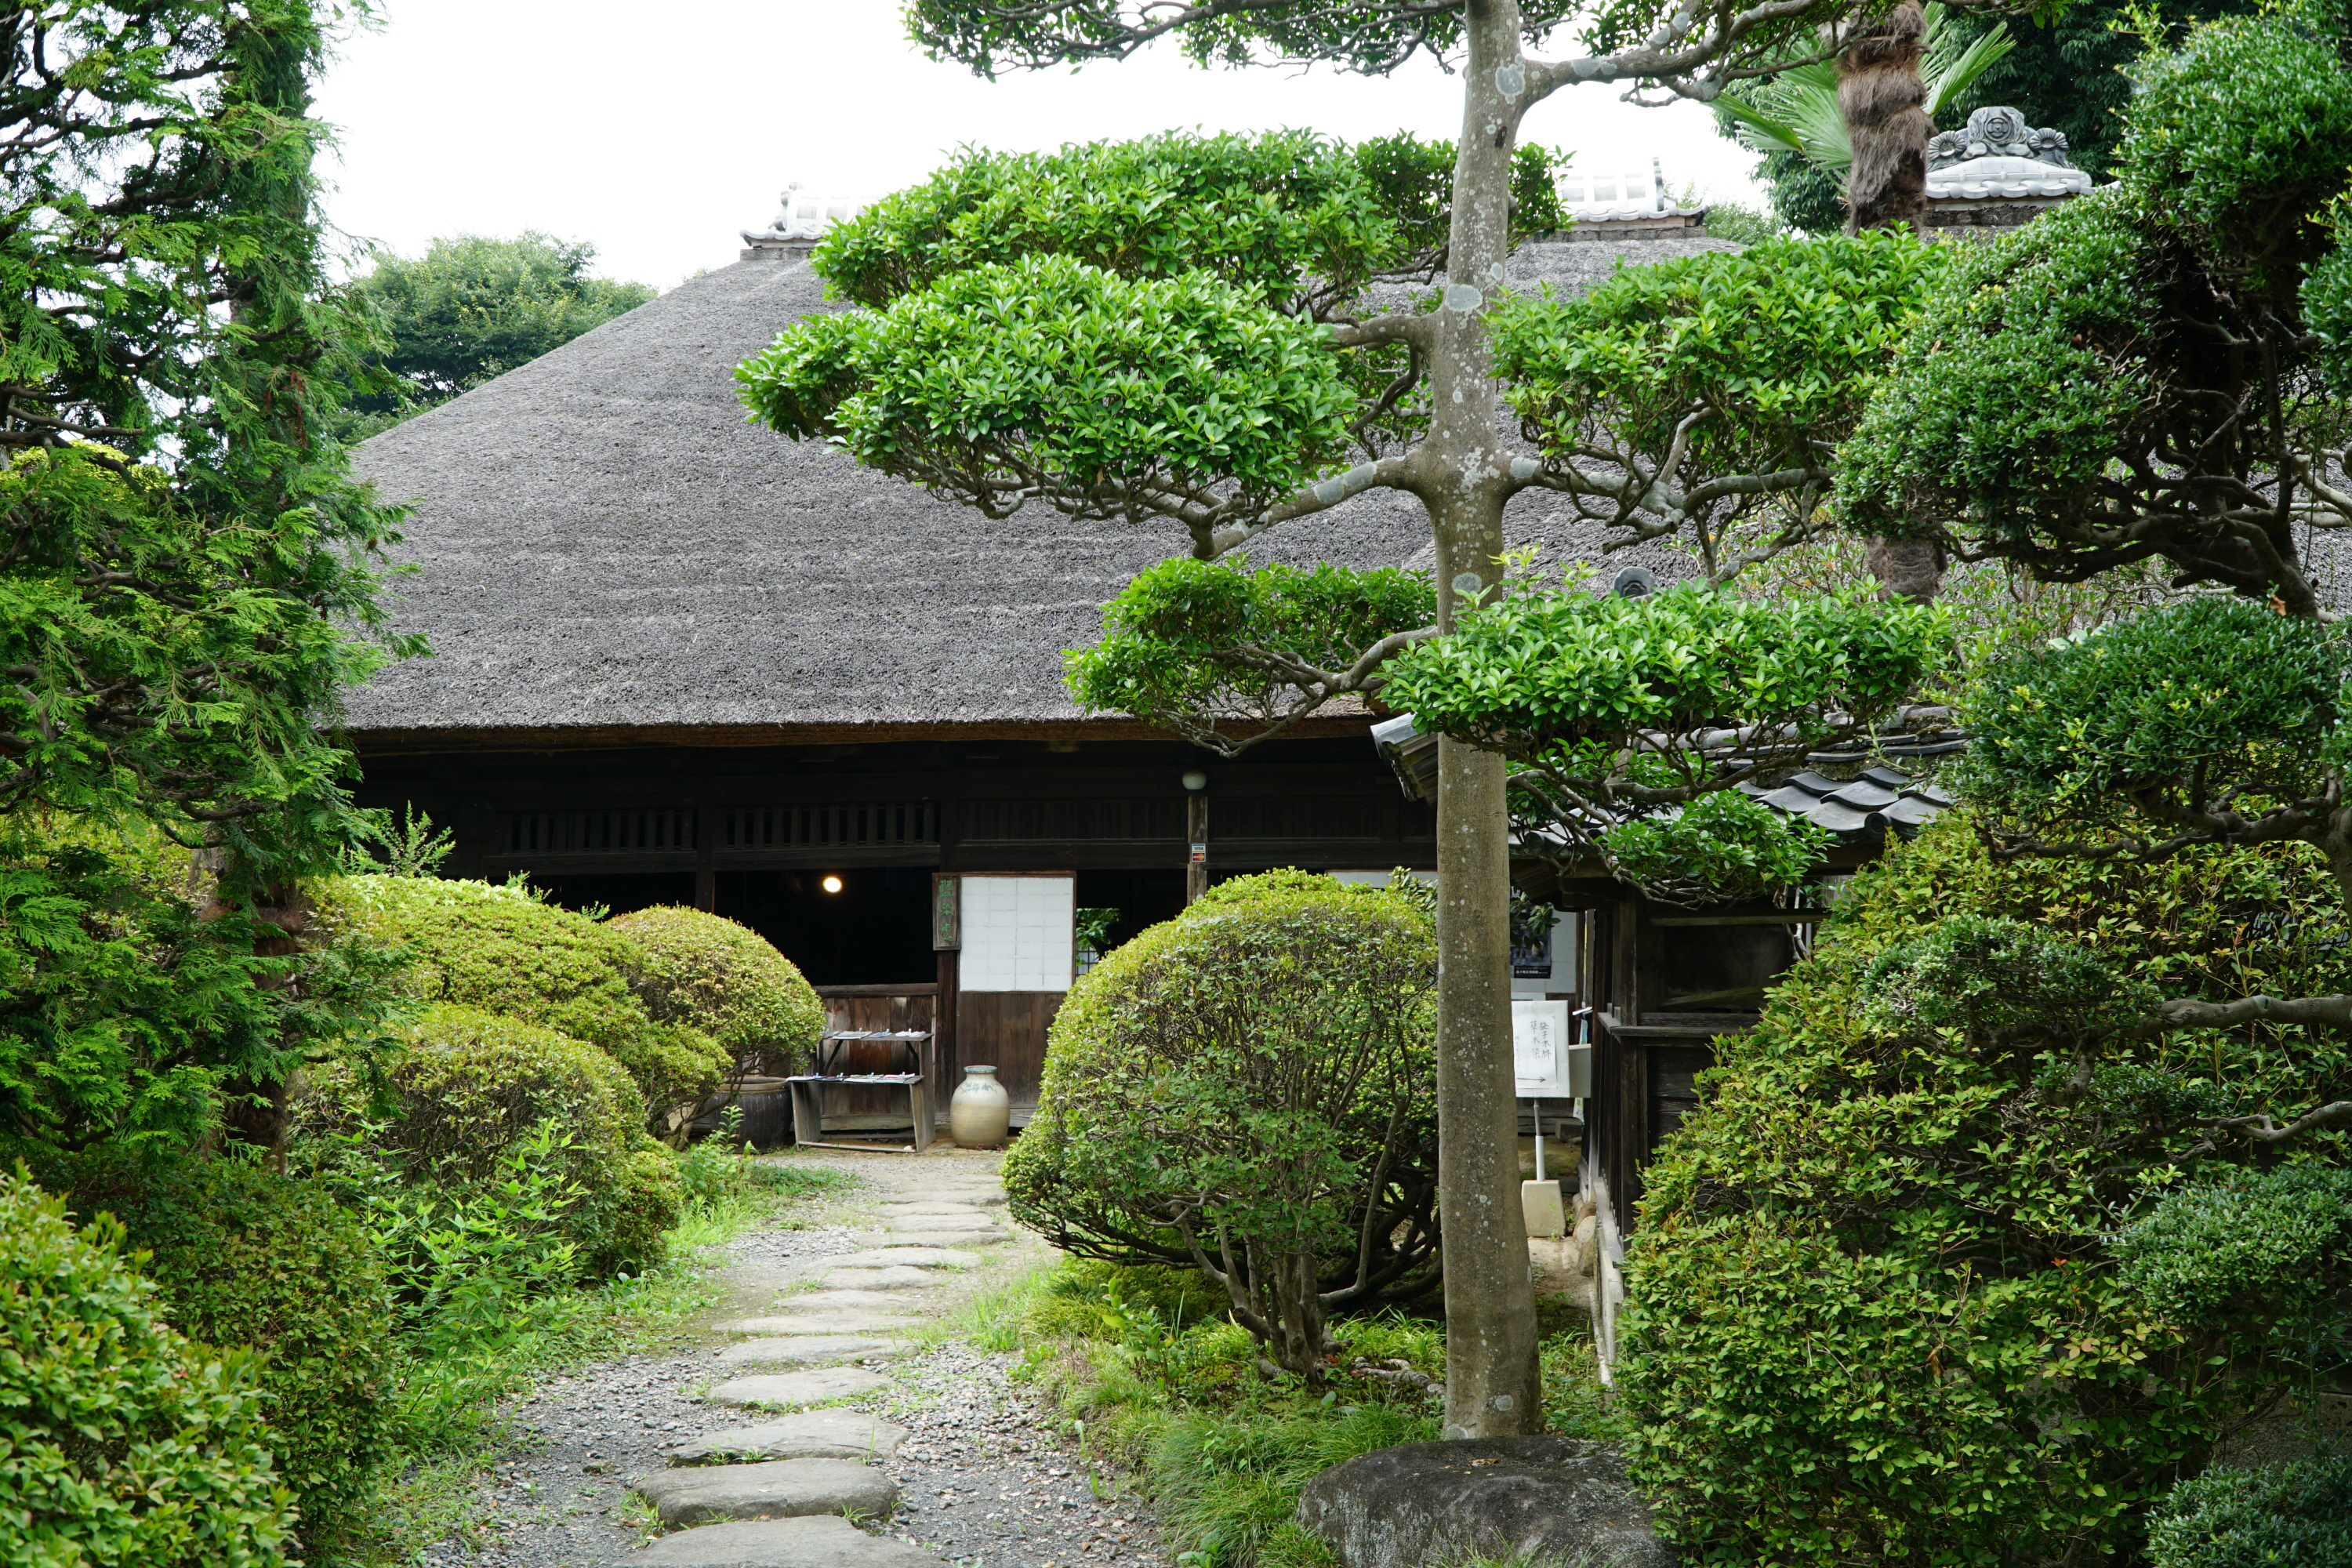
(833, 884)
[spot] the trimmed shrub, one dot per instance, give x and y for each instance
(472, 1089)
(119, 1445)
(726, 980)
(1879, 1310)
(2295, 1515)
(503, 950)
(1250, 1089)
(246, 1259)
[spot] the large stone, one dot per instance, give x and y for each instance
(781, 1488)
(811, 1435)
(879, 1279)
(932, 1205)
(790, 1389)
(808, 1350)
(821, 1540)
(1555, 1499)
(822, 1325)
(984, 1197)
(975, 1220)
(988, 1238)
(907, 1257)
(844, 1301)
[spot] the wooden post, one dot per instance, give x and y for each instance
(1196, 835)
(705, 861)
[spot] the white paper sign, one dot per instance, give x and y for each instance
(1539, 1052)
(1017, 933)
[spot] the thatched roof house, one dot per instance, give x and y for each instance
(677, 657)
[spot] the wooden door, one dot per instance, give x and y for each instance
(1018, 943)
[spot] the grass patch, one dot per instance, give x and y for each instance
(1146, 1372)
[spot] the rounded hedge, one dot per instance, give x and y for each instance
(503, 950)
(246, 1259)
(726, 980)
(119, 1445)
(469, 1085)
(2296, 1515)
(1250, 1089)
(1877, 1308)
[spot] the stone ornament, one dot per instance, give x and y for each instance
(1998, 154)
(804, 217)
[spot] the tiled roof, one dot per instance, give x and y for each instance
(1858, 809)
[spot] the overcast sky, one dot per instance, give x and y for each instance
(657, 136)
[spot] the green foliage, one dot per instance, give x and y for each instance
(1182, 641)
(1743, 225)
(1881, 1310)
(1735, 363)
(472, 308)
(2295, 1515)
(1534, 671)
(180, 634)
(503, 950)
(133, 1010)
(246, 1258)
(1259, 213)
(2173, 703)
(1045, 371)
(1730, 845)
(2068, 392)
(1414, 181)
(2246, 1249)
(472, 1089)
(1250, 1089)
(1806, 196)
(1227, 1487)
(125, 1450)
(726, 980)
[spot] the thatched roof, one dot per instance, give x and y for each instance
(604, 545)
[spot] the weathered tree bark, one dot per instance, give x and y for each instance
(1492, 1385)
(1883, 98)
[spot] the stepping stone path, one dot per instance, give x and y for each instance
(960, 1470)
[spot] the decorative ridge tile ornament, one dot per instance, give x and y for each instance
(803, 219)
(1998, 154)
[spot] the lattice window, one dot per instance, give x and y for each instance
(664, 831)
(798, 826)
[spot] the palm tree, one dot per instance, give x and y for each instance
(1797, 111)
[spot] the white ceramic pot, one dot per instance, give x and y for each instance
(981, 1114)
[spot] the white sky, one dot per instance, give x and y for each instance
(658, 137)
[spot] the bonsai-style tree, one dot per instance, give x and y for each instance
(1183, 376)
(2158, 369)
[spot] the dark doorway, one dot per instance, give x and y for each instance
(617, 892)
(1141, 898)
(876, 931)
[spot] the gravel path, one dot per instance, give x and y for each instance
(983, 1481)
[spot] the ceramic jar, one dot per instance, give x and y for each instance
(981, 1114)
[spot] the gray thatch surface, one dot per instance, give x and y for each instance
(605, 543)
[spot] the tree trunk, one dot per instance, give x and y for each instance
(1883, 98)
(1492, 1387)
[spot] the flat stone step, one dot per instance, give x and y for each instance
(792, 1389)
(811, 1435)
(882, 1278)
(986, 1197)
(844, 1301)
(895, 1256)
(781, 1488)
(932, 1206)
(945, 1237)
(823, 1325)
(975, 1221)
(808, 1350)
(819, 1540)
